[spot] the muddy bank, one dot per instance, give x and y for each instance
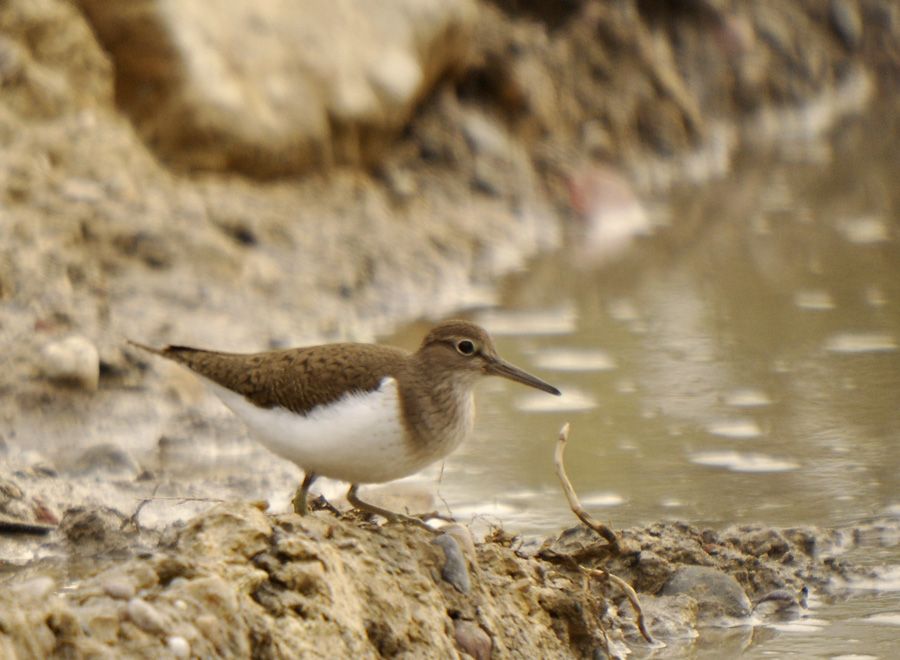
(168, 188)
(237, 582)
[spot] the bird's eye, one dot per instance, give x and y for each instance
(465, 347)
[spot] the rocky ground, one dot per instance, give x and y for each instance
(237, 582)
(261, 174)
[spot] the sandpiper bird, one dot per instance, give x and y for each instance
(360, 413)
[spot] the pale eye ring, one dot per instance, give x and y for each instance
(465, 347)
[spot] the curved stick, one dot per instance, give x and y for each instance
(574, 503)
(600, 528)
(631, 594)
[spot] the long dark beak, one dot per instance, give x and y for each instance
(498, 367)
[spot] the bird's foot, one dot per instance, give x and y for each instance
(390, 516)
(321, 504)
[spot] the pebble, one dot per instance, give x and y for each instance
(471, 639)
(716, 593)
(463, 537)
(73, 360)
(109, 459)
(179, 646)
(36, 589)
(119, 588)
(455, 570)
(397, 76)
(145, 616)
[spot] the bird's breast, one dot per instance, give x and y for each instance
(440, 423)
(361, 438)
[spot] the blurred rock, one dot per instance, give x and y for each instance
(454, 569)
(35, 589)
(72, 361)
(717, 594)
(120, 587)
(463, 537)
(472, 640)
(107, 459)
(178, 646)
(273, 87)
(94, 531)
(12, 501)
(145, 616)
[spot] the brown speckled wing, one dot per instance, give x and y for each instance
(298, 379)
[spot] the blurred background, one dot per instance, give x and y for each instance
(684, 214)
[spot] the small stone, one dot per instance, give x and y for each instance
(109, 459)
(93, 530)
(455, 570)
(473, 640)
(463, 537)
(74, 361)
(36, 589)
(179, 646)
(396, 76)
(9, 490)
(119, 587)
(717, 594)
(145, 616)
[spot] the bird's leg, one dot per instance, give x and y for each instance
(391, 516)
(299, 500)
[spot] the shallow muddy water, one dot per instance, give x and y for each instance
(742, 364)
(739, 365)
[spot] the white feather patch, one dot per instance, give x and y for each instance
(358, 439)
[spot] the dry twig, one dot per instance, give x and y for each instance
(15, 526)
(132, 520)
(574, 503)
(600, 528)
(631, 594)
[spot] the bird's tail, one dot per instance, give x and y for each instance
(186, 355)
(149, 349)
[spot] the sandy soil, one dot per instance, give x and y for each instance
(113, 224)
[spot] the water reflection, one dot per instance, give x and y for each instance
(739, 365)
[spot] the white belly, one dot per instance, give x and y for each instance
(358, 439)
